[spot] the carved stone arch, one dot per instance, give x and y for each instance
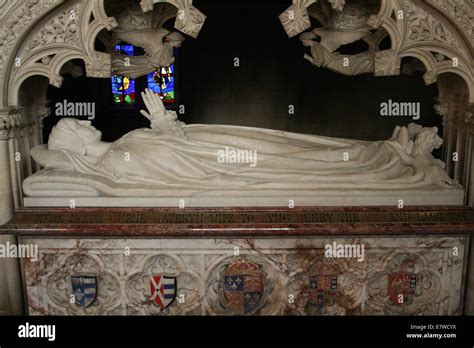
(447, 68)
(437, 33)
(384, 20)
(51, 70)
(379, 36)
(428, 62)
(36, 39)
(18, 21)
(68, 32)
(96, 25)
(461, 20)
(418, 28)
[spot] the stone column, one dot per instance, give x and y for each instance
(11, 294)
(469, 127)
(9, 120)
(469, 122)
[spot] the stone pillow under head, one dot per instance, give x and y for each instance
(53, 159)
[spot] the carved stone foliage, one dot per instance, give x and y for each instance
(354, 14)
(461, 11)
(424, 27)
(387, 63)
(138, 286)
(62, 29)
(60, 291)
(99, 66)
(189, 19)
(251, 277)
(296, 19)
(416, 29)
(67, 33)
(416, 298)
(420, 31)
(318, 284)
(18, 18)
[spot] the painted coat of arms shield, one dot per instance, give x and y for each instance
(163, 290)
(322, 289)
(401, 287)
(84, 289)
(243, 286)
(323, 284)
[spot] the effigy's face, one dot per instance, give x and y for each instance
(87, 132)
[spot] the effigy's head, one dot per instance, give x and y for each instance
(73, 135)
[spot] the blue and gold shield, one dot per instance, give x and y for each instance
(84, 289)
(243, 286)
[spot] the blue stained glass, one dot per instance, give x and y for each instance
(123, 88)
(124, 49)
(161, 81)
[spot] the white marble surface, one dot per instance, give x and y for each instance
(259, 199)
(285, 263)
(252, 166)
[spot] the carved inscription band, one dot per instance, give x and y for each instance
(244, 217)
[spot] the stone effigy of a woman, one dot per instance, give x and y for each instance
(176, 160)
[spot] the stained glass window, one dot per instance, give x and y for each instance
(123, 88)
(161, 81)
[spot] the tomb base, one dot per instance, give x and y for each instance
(246, 261)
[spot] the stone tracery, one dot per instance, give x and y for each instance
(45, 35)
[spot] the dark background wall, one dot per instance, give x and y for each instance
(272, 75)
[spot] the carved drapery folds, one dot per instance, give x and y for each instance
(438, 33)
